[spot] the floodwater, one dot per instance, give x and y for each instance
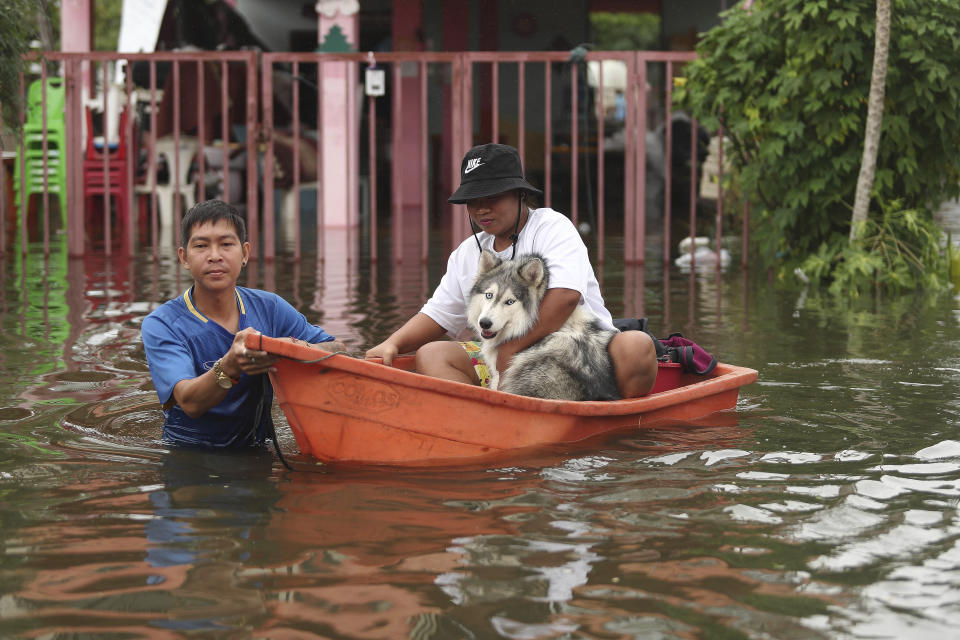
(826, 505)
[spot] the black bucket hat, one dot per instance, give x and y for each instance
(489, 169)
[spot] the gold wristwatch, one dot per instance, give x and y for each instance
(223, 379)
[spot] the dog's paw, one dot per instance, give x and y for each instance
(494, 379)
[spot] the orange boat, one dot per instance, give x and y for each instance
(344, 409)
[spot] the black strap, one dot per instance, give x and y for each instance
(630, 324)
(640, 324)
(263, 394)
(259, 386)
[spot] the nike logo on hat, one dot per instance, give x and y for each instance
(472, 164)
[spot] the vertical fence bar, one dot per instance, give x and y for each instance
(253, 135)
(574, 142)
(637, 116)
(630, 141)
(73, 127)
(320, 158)
(548, 132)
(372, 171)
(152, 160)
(468, 139)
(177, 198)
(21, 158)
(268, 249)
(351, 155)
(694, 143)
(296, 161)
(601, 117)
(456, 117)
(225, 125)
(521, 109)
(107, 235)
(641, 159)
(667, 162)
(666, 297)
(719, 195)
(744, 235)
(459, 66)
(396, 187)
(133, 221)
(495, 98)
(201, 132)
(424, 163)
(45, 146)
(465, 69)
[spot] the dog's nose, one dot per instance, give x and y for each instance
(485, 323)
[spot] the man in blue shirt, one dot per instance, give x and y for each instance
(215, 391)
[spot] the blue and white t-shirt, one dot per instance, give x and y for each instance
(181, 343)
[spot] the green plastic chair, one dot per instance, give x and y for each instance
(32, 149)
(56, 99)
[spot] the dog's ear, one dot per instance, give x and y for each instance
(488, 260)
(533, 270)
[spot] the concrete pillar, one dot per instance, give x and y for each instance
(76, 25)
(338, 31)
(455, 20)
(76, 33)
(407, 23)
(408, 135)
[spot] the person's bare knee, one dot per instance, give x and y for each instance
(447, 360)
(634, 359)
(430, 357)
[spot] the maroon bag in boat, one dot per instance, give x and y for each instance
(690, 355)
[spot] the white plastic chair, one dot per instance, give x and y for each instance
(165, 191)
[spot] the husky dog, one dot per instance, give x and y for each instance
(571, 363)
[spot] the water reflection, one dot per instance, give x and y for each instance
(825, 506)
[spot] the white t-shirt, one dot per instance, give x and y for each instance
(547, 232)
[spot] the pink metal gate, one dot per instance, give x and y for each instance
(555, 110)
(98, 167)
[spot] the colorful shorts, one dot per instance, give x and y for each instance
(473, 350)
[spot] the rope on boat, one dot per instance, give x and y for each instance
(273, 428)
(329, 355)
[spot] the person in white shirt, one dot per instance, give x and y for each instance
(493, 187)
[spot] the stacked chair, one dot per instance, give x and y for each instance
(96, 182)
(31, 152)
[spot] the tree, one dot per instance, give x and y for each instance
(611, 31)
(788, 81)
(107, 15)
(17, 28)
(871, 138)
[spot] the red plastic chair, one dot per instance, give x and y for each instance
(97, 182)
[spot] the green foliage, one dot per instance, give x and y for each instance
(610, 31)
(17, 28)
(895, 252)
(106, 24)
(789, 79)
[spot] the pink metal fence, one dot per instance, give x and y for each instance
(477, 99)
(138, 109)
(533, 100)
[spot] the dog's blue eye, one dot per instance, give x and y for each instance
(510, 301)
(488, 295)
